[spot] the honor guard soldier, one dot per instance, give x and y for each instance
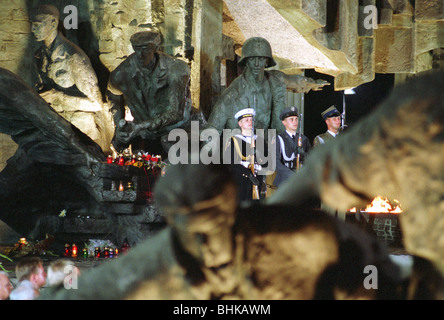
(241, 148)
(332, 118)
(292, 146)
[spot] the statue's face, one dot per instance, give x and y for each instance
(43, 26)
(207, 235)
(145, 53)
(257, 64)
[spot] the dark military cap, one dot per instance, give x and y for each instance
(289, 112)
(330, 112)
(145, 37)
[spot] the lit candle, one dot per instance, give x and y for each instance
(97, 252)
(66, 253)
(109, 159)
(85, 253)
(121, 160)
(121, 188)
(74, 250)
(22, 242)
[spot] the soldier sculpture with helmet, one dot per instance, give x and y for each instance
(264, 91)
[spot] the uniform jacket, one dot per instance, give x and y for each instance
(286, 154)
(322, 138)
(240, 153)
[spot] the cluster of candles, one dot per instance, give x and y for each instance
(133, 160)
(144, 160)
(106, 252)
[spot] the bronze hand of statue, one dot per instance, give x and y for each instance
(124, 133)
(128, 130)
(319, 84)
(148, 129)
(148, 125)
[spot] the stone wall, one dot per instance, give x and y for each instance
(15, 55)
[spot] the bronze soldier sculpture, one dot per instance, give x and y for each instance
(67, 79)
(264, 91)
(154, 86)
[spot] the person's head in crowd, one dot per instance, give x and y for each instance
(31, 269)
(5, 286)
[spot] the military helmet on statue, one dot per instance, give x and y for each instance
(256, 47)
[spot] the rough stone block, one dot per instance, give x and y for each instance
(366, 66)
(386, 16)
(317, 10)
(393, 51)
(428, 36)
(429, 10)
(86, 226)
(119, 196)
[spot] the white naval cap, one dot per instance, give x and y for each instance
(249, 112)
